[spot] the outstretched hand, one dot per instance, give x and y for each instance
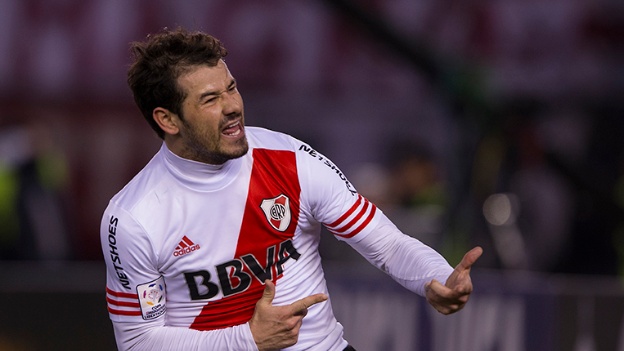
(277, 327)
(452, 296)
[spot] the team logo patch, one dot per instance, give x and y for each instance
(277, 211)
(153, 298)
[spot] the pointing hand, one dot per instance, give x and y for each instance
(277, 327)
(453, 296)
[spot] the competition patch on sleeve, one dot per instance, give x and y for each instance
(152, 297)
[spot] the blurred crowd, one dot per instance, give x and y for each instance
(543, 193)
(512, 141)
(33, 175)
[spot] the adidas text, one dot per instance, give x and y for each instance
(186, 250)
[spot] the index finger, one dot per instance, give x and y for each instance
(305, 303)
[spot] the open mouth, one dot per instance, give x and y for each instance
(233, 129)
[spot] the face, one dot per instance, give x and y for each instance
(211, 125)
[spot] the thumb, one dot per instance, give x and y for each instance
(470, 258)
(269, 292)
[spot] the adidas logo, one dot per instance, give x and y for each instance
(185, 246)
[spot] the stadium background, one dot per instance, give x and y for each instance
(497, 123)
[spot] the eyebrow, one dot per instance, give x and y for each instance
(216, 92)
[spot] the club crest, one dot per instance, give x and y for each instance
(277, 212)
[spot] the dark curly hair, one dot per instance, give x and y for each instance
(160, 60)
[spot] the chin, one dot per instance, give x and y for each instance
(242, 152)
(235, 152)
(242, 147)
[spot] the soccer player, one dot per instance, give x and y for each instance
(214, 244)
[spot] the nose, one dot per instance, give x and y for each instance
(232, 103)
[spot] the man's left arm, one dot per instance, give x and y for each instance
(417, 266)
(329, 197)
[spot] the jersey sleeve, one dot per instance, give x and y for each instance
(331, 199)
(136, 294)
(334, 201)
(130, 265)
(405, 259)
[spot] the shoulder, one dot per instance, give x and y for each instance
(263, 138)
(145, 184)
(306, 156)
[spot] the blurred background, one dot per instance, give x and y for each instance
(474, 122)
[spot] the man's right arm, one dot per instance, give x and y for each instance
(136, 294)
(143, 336)
(271, 327)
(132, 274)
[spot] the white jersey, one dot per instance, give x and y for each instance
(188, 246)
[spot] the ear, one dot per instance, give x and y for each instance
(166, 120)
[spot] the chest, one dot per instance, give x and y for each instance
(220, 243)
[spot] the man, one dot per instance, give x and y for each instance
(213, 245)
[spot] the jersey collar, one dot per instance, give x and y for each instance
(198, 175)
